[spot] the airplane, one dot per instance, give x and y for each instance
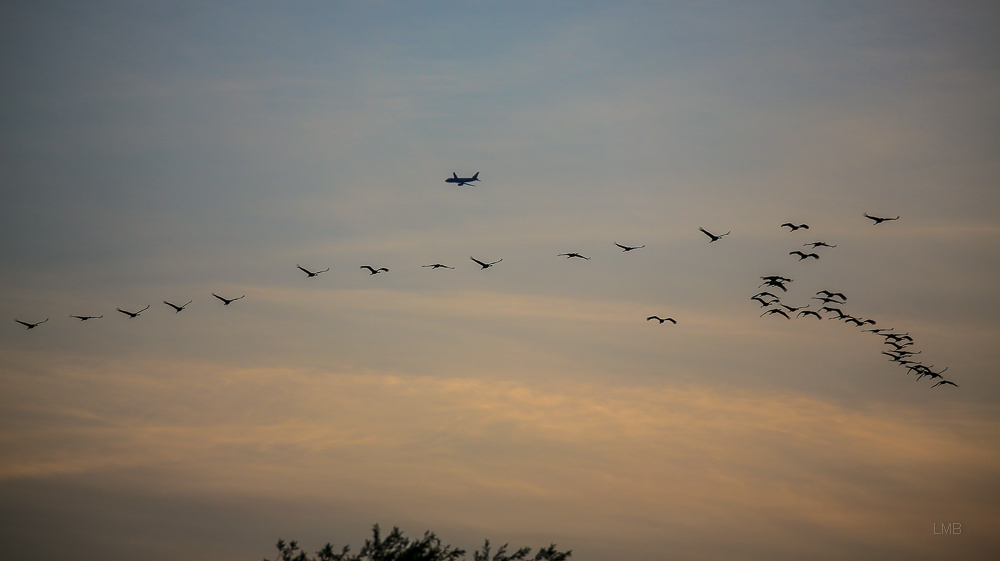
(462, 180)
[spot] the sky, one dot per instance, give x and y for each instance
(158, 151)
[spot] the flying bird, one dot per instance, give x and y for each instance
(227, 301)
(943, 381)
(840, 314)
(485, 265)
(438, 266)
(926, 371)
(794, 227)
(763, 303)
(803, 255)
(778, 278)
(793, 308)
(814, 245)
(132, 315)
(85, 318)
(569, 255)
(766, 293)
(176, 307)
(31, 325)
(374, 271)
(774, 283)
(775, 311)
(897, 336)
(311, 274)
(829, 294)
(713, 236)
(661, 320)
(879, 220)
(626, 248)
(809, 313)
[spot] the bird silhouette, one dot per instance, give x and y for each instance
(176, 307)
(897, 336)
(838, 311)
(374, 271)
(763, 303)
(794, 227)
(879, 220)
(438, 266)
(227, 301)
(661, 320)
(803, 255)
(775, 311)
(485, 265)
(827, 300)
(858, 321)
(778, 278)
(132, 315)
(926, 371)
(793, 308)
(829, 294)
(879, 330)
(943, 381)
(31, 325)
(713, 236)
(85, 318)
(809, 313)
(775, 283)
(814, 245)
(311, 274)
(766, 293)
(569, 255)
(626, 248)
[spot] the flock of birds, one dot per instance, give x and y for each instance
(897, 344)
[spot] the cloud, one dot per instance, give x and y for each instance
(611, 462)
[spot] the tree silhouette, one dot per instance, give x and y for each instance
(397, 547)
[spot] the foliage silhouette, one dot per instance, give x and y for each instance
(397, 547)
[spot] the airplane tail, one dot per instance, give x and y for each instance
(454, 175)
(476, 177)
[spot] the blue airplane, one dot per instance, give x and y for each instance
(462, 180)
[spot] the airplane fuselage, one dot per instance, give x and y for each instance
(462, 180)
